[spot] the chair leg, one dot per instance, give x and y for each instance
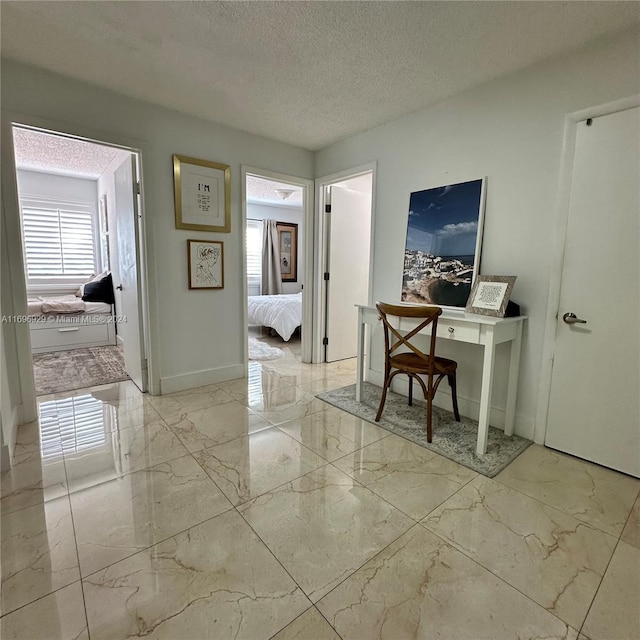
(429, 433)
(382, 399)
(454, 395)
(410, 391)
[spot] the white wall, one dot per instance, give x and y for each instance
(48, 185)
(196, 336)
(511, 131)
(293, 215)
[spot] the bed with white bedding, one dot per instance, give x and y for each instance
(67, 322)
(282, 312)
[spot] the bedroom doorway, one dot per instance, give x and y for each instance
(79, 204)
(277, 209)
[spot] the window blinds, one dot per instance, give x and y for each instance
(59, 241)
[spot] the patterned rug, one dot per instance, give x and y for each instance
(453, 440)
(67, 370)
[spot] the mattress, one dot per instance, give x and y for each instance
(280, 312)
(77, 305)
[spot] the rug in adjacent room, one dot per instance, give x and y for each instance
(259, 350)
(59, 371)
(453, 440)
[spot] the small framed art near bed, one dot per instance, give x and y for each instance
(288, 245)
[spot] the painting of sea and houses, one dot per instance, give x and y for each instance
(442, 251)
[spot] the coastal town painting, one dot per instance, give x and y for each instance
(444, 236)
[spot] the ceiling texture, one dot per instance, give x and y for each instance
(45, 153)
(306, 73)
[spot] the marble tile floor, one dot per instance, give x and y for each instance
(250, 509)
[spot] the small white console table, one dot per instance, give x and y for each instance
(473, 329)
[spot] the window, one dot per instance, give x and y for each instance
(254, 257)
(59, 241)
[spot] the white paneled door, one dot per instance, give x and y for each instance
(594, 410)
(349, 247)
(127, 229)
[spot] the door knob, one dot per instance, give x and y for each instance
(119, 287)
(571, 318)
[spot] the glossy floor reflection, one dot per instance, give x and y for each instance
(249, 509)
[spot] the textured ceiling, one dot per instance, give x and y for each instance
(261, 190)
(47, 153)
(306, 73)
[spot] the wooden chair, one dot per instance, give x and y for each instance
(411, 360)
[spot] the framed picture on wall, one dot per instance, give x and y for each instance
(288, 245)
(206, 264)
(444, 237)
(202, 194)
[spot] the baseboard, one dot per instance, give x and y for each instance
(9, 436)
(524, 425)
(119, 341)
(194, 379)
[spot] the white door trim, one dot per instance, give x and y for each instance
(560, 235)
(319, 297)
(17, 275)
(307, 296)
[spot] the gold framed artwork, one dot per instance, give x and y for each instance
(490, 295)
(202, 194)
(288, 245)
(206, 264)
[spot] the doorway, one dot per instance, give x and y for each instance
(593, 409)
(277, 214)
(80, 228)
(344, 268)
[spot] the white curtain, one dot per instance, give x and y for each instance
(271, 277)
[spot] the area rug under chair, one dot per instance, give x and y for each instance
(453, 440)
(59, 371)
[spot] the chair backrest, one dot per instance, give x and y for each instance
(429, 313)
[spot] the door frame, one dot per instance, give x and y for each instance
(307, 292)
(561, 216)
(321, 233)
(28, 407)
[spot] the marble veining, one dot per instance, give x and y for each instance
(58, 616)
(556, 560)
(183, 401)
(333, 434)
(615, 612)
(410, 477)
(247, 467)
(119, 518)
(38, 553)
(215, 425)
(118, 521)
(420, 587)
(216, 580)
(32, 481)
(595, 495)
(323, 526)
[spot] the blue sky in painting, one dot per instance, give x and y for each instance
(444, 221)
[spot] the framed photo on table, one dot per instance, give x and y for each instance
(288, 245)
(202, 194)
(490, 295)
(206, 264)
